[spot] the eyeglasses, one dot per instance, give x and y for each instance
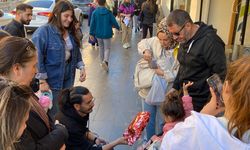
(91, 101)
(178, 33)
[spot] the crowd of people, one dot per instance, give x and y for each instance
(181, 57)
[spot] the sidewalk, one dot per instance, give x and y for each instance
(117, 102)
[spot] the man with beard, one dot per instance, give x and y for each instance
(201, 54)
(76, 104)
(23, 16)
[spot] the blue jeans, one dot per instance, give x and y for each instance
(66, 84)
(156, 121)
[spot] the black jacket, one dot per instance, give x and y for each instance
(15, 28)
(77, 128)
(200, 57)
(38, 137)
(148, 17)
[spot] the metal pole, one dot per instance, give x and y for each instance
(171, 5)
(201, 10)
(242, 36)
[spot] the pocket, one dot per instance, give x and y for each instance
(54, 53)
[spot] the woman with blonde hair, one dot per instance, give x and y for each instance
(232, 131)
(18, 60)
(14, 112)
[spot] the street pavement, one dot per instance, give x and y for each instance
(117, 101)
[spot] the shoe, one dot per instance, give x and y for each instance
(105, 65)
(128, 45)
(124, 45)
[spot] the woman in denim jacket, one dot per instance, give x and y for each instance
(58, 52)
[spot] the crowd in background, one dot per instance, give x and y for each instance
(179, 58)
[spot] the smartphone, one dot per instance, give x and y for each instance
(215, 83)
(153, 64)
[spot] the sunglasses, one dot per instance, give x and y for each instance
(178, 33)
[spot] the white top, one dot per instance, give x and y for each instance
(68, 48)
(200, 131)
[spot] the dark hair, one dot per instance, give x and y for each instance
(15, 50)
(3, 34)
(179, 17)
(173, 107)
(55, 19)
(69, 97)
(101, 2)
(23, 7)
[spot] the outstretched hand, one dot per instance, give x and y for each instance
(186, 86)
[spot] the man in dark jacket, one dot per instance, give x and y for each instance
(75, 105)
(23, 16)
(201, 54)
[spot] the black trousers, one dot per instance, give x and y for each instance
(145, 28)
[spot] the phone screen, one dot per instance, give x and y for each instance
(215, 83)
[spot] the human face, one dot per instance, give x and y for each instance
(23, 125)
(164, 40)
(87, 104)
(27, 71)
(26, 16)
(66, 18)
(180, 33)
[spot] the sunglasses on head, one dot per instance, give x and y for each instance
(178, 33)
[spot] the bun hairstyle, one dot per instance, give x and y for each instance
(173, 107)
(69, 97)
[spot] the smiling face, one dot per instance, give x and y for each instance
(66, 18)
(164, 40)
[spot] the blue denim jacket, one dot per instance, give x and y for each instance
(51, 56)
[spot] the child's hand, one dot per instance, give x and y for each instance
(186, 86)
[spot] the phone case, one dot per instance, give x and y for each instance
(215, 82)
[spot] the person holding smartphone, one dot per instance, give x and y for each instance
(229, 132)
(160, 52)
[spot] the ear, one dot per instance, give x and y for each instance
(77, 107)
(16, 69)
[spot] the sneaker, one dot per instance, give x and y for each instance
(128, 45)
(105, 65)
(124, 45)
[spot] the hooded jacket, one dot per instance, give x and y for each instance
(199, 58)
(101, 24)
(77, 128)
(204, 132)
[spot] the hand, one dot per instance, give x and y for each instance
(159, 72)
(82, 75)
(122, 140)
(212, 107)
(186, 86)
(43, 86)
(100, 141)
(63, 147)
(147, 55)
(92, 38)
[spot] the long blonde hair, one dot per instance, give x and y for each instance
(238, 77)
(14, 106)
